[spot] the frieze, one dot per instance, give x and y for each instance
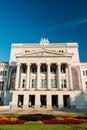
(44, 53)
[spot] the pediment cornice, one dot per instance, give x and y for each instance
(43, 53)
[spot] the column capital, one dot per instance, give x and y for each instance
(28, 64)
(48, 64)
(58, 63)
(18, 64)
(69, 64)
(38, 64)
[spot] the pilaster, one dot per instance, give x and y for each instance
(59, 76)
(70, 77)
(48, 76)
(38, 76)
(17, 76)
(28, 77)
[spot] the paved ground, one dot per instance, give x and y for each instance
(43, 111)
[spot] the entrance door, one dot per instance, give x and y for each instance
(54, 101)
(20, 100)
(66, 100)
(43, 100)
(31, 100)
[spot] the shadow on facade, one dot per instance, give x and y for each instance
(73, 104)
(7, 97)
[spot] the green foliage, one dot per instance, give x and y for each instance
(33, 122)
(44, 127)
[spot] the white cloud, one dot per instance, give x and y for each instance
(69, 24)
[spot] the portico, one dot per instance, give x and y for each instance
(43, 76)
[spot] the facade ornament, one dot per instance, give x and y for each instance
(44, 42)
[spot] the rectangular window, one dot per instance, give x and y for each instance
(86, 73)
(5, 73)
(43, 83)
(53, 83)
(33, 83)
(86, 85)
(43, 70)
(23, 83)
(83, 73)
(33, 70)
(24, 70)
(63, 83)
(1, 73)
(63, 70)
(1, 85)
(53, 70)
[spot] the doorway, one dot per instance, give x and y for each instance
(31, 100)
(66, 101)
(54, 101)
(43, 100)
(20, 100)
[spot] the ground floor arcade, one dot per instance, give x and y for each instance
(47, 99)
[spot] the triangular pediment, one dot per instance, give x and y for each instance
(44, 53)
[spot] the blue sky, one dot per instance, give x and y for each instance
(30, 20)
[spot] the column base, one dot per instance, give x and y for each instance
(37, 107)
(49, 107)
(13, 107)
(60, 107)
(25, 107)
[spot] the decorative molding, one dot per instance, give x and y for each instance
(44, 53)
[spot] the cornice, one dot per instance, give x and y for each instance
(83, 63)
(51, 45)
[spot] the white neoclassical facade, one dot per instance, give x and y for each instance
(45, 75)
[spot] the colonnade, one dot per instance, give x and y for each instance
(48, 76)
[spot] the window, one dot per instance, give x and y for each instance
(61, 51)
(53, 83)
(53, 70)
(62, 70)
(24, 70)
(86, 85)
(5, 73)
(23, 83)
(33, 70)
(44, 83)
(63, 83)
(33, 83)
(43, 70)
(1, 73)
(1, 85)
(85, 73)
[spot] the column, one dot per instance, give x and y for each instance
(17, 76)
(48, 76)
(5, 82)
(70, 77)
(60, 101)
(28, 77)
(49, 102)
(38, 76)
(37, 101)
(26, 101)
(67, 78)
(4, 86)
(59, 76)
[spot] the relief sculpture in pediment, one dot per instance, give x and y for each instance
(44, 53)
